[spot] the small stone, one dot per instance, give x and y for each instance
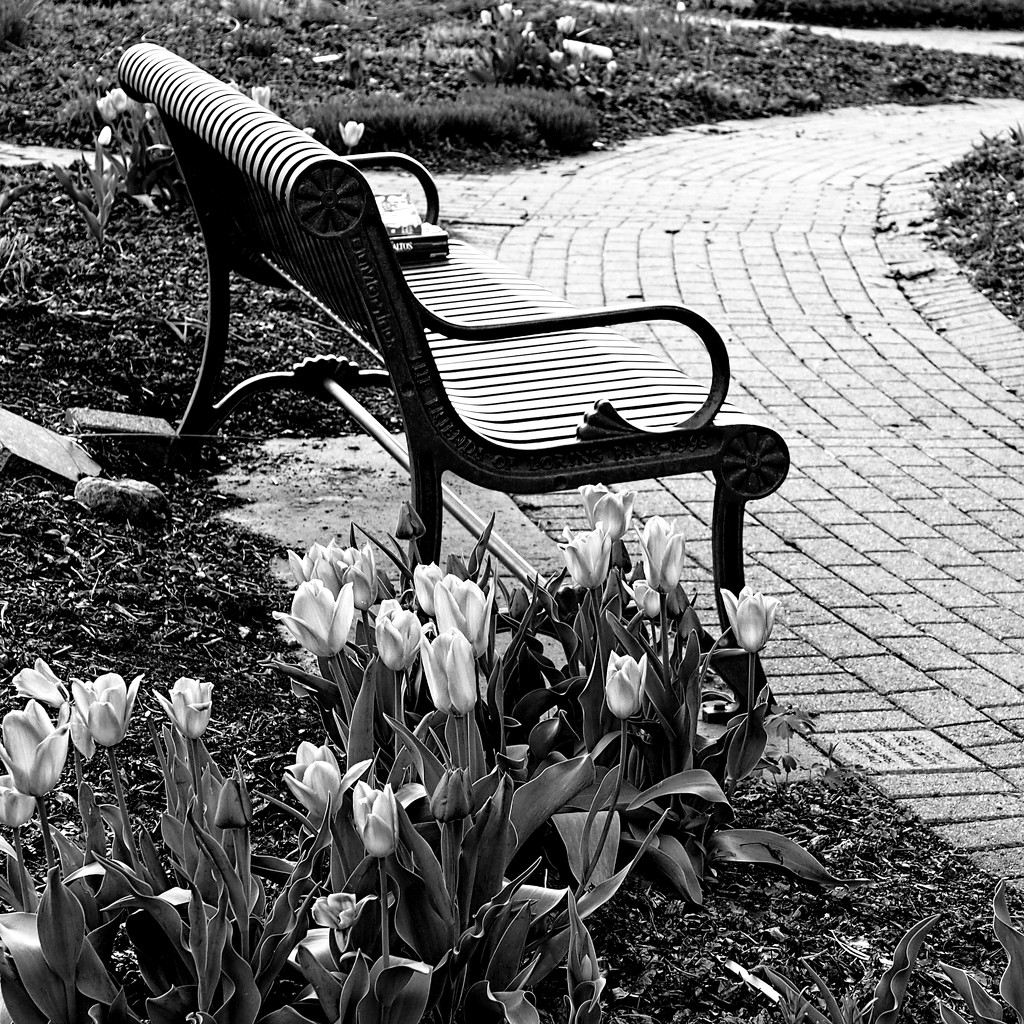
(122, 499)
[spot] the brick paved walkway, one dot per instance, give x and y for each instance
(896, 542)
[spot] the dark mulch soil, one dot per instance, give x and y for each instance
(980, 218)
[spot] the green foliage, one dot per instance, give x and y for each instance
(477, 118)
(16, 22)
(976, 14)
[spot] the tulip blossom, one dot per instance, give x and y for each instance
(375, 815)
(752, 617)
(15, 807)
(33, 749)
(39, 683)
(303, 569)
(399, 635)
(113, 103)
(566, 24)
(486, 18)
(318, 620)
(664, 549)
(316, 781)
(451, 673)
(461, 605)
(588, 556)
(105, 706)
(261, 95)
(351, 133)
(189, 707)
(339, 912)
(105, 137)
(648, 600)
(624, 684)
(612, 510)
(505, 11)
(358, 567)
(424, 579)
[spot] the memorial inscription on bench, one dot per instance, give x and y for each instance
(910, 750)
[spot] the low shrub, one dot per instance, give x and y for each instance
(978, 14)
(489, 118)
(15, 21)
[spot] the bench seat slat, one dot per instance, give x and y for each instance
(533, 391)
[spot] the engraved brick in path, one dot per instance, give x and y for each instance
(896, 543)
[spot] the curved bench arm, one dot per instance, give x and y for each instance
(608, 317)
(405, 163)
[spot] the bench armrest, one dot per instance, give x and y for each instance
(405, 163)
(609, 317)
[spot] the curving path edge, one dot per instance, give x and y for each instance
(897, 543)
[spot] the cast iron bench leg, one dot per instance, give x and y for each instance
(427, 500)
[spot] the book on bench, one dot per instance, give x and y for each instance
(412, 238)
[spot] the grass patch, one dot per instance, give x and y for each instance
(980, 207)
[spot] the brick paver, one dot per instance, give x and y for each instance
(896, 542)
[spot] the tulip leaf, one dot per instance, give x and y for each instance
(289, 1015)
(18, 1003)
(426, 864)
(173, 1006)
(233, 884)
(747, 744)
(427, 764)
(674, 863)
(245, 1001)
(355, 987)
(325, 984)
(984, 1009)
(571, 827)
(758, 846)
(490, 1007)
(536, 801)
(398, 992)
(92, 978)
(695, 782)
(61, 929)
(20, 937)
(1011, 985)
(508, 951)
(892, 987)
(360, 744)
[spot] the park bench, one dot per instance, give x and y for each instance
(498, 380)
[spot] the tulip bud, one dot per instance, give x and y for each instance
(486, 18)
(452, 799)
(425, 578)
(105, 137)
(451, 673)
(664, 550)
(752, 617)
(351, 132)
(648, 600)
(33, 750)
(518, 603)
(410, 525)
(234, 808)
(588, 556)
(357, 566)
(612, 510)
(399, 635)
(105, 706)
(318, 620)
(39, 683)
(15, 807)
(624, 683)
(461, 605)
(375, 816)
(190, 706)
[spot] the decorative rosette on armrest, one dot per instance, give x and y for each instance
(328, 199)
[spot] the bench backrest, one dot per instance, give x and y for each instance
(264, 189)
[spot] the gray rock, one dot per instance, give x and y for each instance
(134, 500)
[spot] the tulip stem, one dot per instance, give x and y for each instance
(368, 631)
(385, 937)
(22, 873)
(129, 839)
(44, 827)
(197, 785)
(599, 647)
(605, 828)
(665, 661)
(451, 846)
(751, 696)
